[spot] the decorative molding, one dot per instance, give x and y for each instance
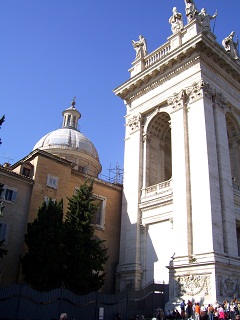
(192, 285)
(161, 79)
(195, 92)
(176, 101)
(134, 122)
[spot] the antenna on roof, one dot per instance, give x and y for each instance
(8, 157)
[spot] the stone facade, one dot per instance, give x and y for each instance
(43, 165)
(13, 221)
(180, 210)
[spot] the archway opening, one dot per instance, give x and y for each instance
(159, 151)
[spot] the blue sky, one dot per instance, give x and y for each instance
(53, 50)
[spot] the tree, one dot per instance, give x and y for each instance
(1, 122)
(85, 254)
(43, 264)
(65, 253)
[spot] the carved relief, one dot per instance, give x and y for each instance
(203, 89)
(195, 92)
(228, 286)
(192, 285)
(134, 122)
(176, 101)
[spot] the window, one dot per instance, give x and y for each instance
(3, 232)
(52, 181)
(26, 172)
(99, 216)
(83, 169)
(9, 194)
(68, 120)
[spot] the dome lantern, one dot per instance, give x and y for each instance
(69, 143)
(71, 116)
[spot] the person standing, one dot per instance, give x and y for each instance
(210, 312)
(197, 311)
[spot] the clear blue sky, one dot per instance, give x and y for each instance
(53, 50)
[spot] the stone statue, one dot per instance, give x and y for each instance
(231, 46)
(205, 18)
(140, 46)
(190, 9)
(176, 21)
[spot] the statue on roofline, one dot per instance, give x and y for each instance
(176, 21)
(190, 10)
(140, 47)
(231, 46)
(205, 18)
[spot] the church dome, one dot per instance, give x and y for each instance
(68, 139)
(69, 143)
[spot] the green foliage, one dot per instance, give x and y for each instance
(85, 254)
(65, 253)
(1, 122)
(43, 264)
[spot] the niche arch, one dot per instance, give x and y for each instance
(158, 148)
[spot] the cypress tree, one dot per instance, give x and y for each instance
(43, 263)
(85, 254)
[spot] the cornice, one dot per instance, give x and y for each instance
(198, 48)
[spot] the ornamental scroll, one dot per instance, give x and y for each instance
(193, 285)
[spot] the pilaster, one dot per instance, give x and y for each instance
(129, 267)
(180, 175)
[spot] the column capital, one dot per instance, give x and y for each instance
(134, 122)
(176, 101)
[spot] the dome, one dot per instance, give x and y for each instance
(68, 139)
(69, 143)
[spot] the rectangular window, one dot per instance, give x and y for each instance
(52, 181)
(3, 232)
(99, 216)
(26, 172)
(9, 194)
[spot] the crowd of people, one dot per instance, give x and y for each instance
(197, 311)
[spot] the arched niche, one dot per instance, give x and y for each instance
(158, 149)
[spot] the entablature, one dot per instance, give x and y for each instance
(166, 63)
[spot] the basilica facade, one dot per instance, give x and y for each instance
(177, 218)
(180, 210)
